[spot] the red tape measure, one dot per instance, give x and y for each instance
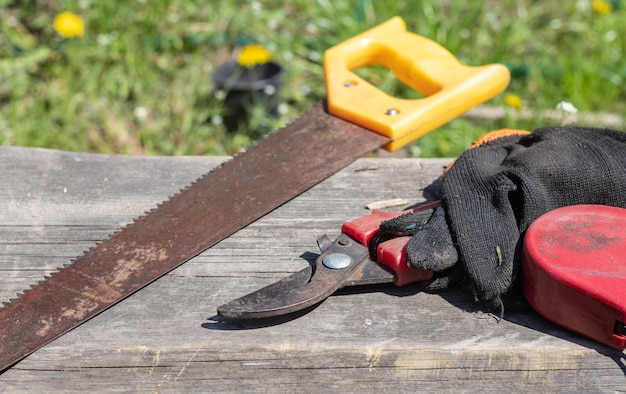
(574, 268)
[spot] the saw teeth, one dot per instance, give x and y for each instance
(140, 218)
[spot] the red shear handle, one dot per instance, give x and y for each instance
(390, 253)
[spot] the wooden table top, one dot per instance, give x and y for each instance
(167, 338)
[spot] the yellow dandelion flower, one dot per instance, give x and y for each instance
(252, 55)
(601, 7)
(513, 100)
(68, 24)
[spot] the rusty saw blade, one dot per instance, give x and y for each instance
(283, 165)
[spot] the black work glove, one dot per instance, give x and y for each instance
(494, 190)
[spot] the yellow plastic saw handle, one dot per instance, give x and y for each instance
(451, 87)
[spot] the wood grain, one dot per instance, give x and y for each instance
(166, 338)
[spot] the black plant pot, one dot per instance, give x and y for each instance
(247, 88)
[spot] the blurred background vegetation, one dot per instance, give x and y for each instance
(138, 80)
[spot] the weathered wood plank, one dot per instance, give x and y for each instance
(53, 205)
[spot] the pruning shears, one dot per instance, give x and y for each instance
(360, 255)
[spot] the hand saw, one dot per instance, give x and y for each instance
(356, 119)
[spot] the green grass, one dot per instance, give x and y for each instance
(139, 80)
